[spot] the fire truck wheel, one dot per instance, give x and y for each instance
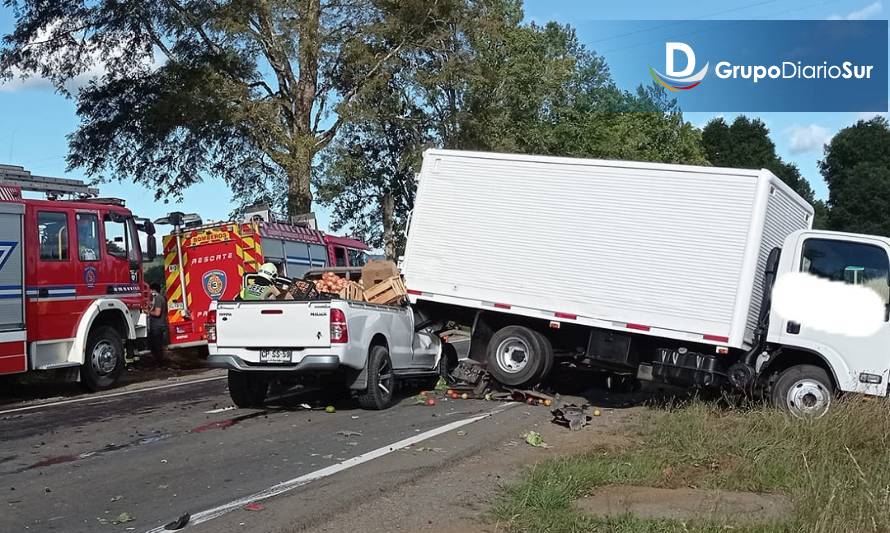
(517, 356)
(381, 381)
(248, 389)
(103, 359)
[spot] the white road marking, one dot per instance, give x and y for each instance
(220, 410)
(112, 395)
(286, 486)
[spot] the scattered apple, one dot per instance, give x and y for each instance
(465, 396)
(330, 409)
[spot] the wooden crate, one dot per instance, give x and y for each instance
(352, 291)
(387, 292)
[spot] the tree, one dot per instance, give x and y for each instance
(369, 171)
(746, 144)
(857, 170)
(246, 91)
(490, 83)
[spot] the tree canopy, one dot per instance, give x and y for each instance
(246, 91)
(857, 169)
(505, 86)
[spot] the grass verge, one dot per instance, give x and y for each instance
(835, 470)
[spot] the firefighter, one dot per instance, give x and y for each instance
(157, 323)
(261, 286)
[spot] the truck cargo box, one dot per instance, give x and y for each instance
(674, 251)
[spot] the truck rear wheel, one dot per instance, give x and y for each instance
(248, 389)
(805, 391)
(381, 381)
(103, 359)
(517, 356)
(547, 353)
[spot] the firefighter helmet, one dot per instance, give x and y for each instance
(268, 271)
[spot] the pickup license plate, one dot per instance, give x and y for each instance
(275, 356)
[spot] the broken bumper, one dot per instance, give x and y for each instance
(310, 363)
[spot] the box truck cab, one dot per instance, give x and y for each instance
(675, 284)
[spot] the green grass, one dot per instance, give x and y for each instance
(835, 470)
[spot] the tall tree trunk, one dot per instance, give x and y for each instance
(299, 195)
(387, 206)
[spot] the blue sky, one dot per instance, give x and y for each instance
(34, 121)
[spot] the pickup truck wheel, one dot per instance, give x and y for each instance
(103, 359)
(248, 389)
(805, 391)
(517, 356)
(381, 381)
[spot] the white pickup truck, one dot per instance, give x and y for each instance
(369, 347)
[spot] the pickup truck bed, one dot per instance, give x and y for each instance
(368, 345)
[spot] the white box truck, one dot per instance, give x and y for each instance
(652, 271)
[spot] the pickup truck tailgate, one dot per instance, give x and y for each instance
(273, 324)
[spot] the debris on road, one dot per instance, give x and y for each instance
(116, 498)
(348, 434)
(330, 409)
(179, 523)
(123, 518)
(533, 438)
(572, 416)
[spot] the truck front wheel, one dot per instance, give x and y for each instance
(103, 359)
(805, 391)
(248, 389)
(518, 356)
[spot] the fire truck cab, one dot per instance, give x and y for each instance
(71, 286)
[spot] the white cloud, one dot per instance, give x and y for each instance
(866, 12)
(97, 68)
(808, 138)
(18, 83)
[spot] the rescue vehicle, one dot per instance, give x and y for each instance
(71, 286)
(210, 260)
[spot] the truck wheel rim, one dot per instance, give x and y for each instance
(807, 398)
(103, 358)
(385, 378)
(512, 355)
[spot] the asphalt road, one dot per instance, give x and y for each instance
(158, 454)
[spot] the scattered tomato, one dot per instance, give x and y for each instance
(431, 401)
(454, 395)
(423, 393)
(530, 401)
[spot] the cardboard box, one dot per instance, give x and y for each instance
(376, 272)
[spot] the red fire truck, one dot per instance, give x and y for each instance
(210, 260)
(71, 287)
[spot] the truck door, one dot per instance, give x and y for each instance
(12, 294)
(856, 261)
(53, 310)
